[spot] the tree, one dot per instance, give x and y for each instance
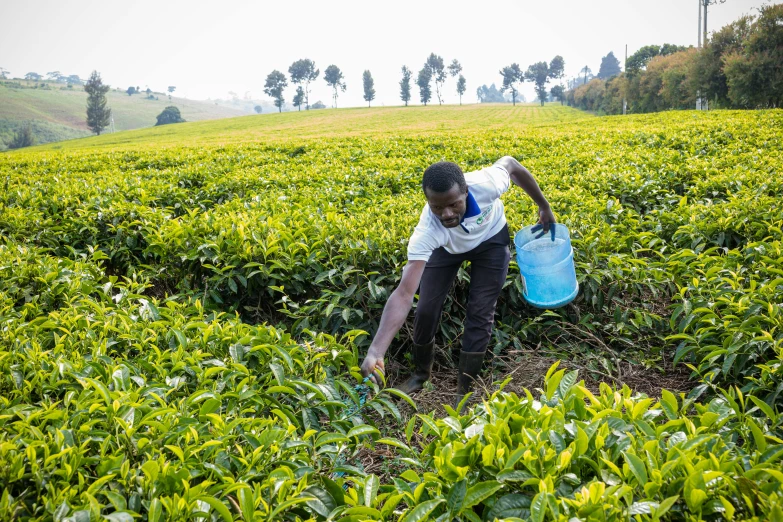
(299, 97)
(557, 68)
(274, 86)
(539, 74)
(511, 75)
(258, 109)
(131, 91)
(438, 72)
(489, 94)
(587, 71)
(637, 62)
(455, 68)
(54, 76)
(753, 74)
(405, 85)
(667, 49)
(558, 93)
(169, 115)
(708, 77)
(302, 73)
(22, 138)
(171, 90)
(369, 87)
(3, 73)
(98, 114)
(74, 79)
(32, 76)
(610, 66)
(334, 78)
(461, 87)
(423, 81)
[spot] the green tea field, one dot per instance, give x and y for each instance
(183, 312)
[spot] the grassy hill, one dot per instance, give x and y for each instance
(340, 122)
(57, 113)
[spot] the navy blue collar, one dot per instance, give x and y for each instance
(472, 209)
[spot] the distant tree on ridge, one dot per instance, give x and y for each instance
(461, 87)
(423, 81)
(276, 82)
(299, 97)
(98, 114)
(369, 87)
(558, 93)
(405, 85)
(438, 72)
(610, 66)
(302, 73)
(334, 79)
(512, 74)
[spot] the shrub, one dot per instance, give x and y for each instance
(169, 115)
(22, 138)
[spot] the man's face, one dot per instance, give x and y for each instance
(448, 206)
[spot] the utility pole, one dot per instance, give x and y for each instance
(698, 41)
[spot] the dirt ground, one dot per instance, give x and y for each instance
(529, 373)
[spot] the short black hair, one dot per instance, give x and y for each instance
(441, 176)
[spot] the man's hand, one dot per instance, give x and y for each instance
(546, 217)
(373, 367)
(545, 221)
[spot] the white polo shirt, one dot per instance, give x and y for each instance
(483, 218)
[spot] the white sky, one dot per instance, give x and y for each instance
(209, 48)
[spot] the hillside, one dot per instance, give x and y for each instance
(415, 120)
(57, 113)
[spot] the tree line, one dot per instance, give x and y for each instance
(539, 74)
(430, 80)
(304, 72)
(738, 68)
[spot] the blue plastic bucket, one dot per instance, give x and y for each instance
(547, 267)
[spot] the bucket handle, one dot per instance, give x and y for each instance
(542, 234)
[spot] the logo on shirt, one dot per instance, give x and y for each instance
(483, 215)
(469, 226)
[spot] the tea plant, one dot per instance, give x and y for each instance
(141, 374)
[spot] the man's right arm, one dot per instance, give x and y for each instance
(394, 314)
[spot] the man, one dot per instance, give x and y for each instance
(463, 220)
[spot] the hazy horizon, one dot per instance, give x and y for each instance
(207, 51)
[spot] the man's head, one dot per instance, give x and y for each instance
(446, 191)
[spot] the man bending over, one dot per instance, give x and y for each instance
(463, 220)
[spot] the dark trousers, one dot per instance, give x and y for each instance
(489, 266)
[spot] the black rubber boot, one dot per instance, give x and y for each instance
(423, 356)
(469, 368)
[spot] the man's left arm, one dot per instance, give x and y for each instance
(523, 178)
